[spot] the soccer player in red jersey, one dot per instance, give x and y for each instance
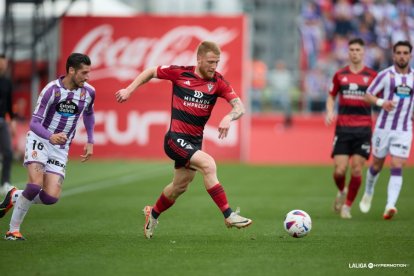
(195, 92)
(352, 141)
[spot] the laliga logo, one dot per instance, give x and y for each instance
(125, 57)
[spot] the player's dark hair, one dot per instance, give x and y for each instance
(356, 40)
(75, 60)
(402, 43)
(2, 55)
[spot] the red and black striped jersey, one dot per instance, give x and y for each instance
(193, 98)
(354, 113)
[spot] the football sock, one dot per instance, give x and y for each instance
(353, 188)
(394, 187)
(20, 209)
(339, 181)
(219, 197)
(162, 204)
(16, 196)
(371, 180)
(22, 206)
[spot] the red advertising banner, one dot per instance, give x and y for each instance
(121, 48)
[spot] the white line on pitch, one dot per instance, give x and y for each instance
(117, 181)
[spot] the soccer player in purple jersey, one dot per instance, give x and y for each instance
(52, 127)
(393, 130)
(195, 91)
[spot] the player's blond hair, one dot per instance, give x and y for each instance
(208, 46)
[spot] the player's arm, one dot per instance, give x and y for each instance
(145, 76)
(384, 104)
(330, 113)
(89, 122)
(237, 111)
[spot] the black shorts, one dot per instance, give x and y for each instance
(181, 147)
(352, 143)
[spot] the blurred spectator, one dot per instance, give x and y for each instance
(315, 87)
(326, 26)
(259, 83)
(281, 82)
(6, 152)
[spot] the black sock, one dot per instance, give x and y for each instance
(227, 212)
(154, 214)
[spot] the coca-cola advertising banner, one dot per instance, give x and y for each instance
(121, 48)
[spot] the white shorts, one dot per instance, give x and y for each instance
(39, 150)
(397, 143)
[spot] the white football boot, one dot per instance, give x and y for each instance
(340, 200)
(150, 222)
(365, 203)
(235, 220)
(345, 212)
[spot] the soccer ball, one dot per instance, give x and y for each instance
(297, 223)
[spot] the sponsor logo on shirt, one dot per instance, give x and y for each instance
(403, 91)
(353, 92)
(67, 108)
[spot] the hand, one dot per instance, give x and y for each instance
(88, 151)
(122, 95)
(329, 118)
(224, 127)
(58, 138)
(389, 105)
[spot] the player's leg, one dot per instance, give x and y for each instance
(205, 164)
(380, 147)
(400, 149)
(33, 187)
(357, 163)
(182, 178)
(340, 168)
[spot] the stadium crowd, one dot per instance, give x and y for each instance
(325, 28)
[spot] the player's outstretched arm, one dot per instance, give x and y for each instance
(145, 76)
(236, 112)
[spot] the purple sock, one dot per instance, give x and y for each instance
(31, 191)
(396, 171)
(372, 171)
(46, 198)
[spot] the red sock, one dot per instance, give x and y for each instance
(163, 203)
(339, 181)
(353, 188)
(219, 196)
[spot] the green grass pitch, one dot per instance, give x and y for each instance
(96, 227)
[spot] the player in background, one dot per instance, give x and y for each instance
(393, 131)
(52, 127)
(195, 92)
(353, 125)
(6, 129)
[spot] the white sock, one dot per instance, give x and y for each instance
(370, 182)
(19, 211)
(394, 188)
(16, 196)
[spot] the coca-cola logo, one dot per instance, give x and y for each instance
(125, 57)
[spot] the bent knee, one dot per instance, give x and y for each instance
(47, 199)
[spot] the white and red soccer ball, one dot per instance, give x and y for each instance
(297, 223)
